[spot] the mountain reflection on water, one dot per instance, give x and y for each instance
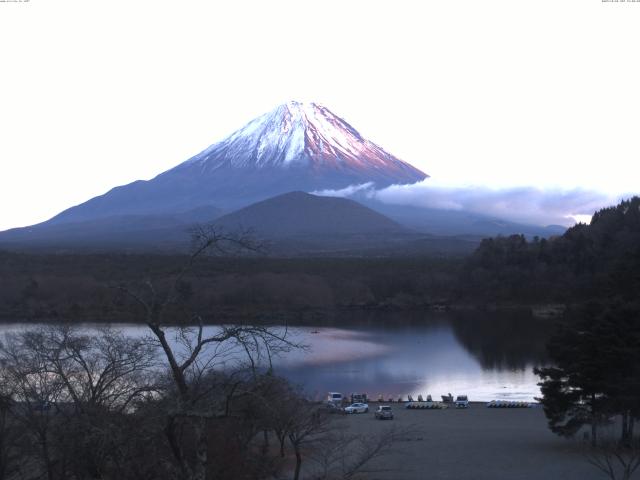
(483, 355)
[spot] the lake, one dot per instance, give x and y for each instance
(483, 355)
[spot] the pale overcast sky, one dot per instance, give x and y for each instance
(497, 94)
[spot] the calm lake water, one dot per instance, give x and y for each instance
(485, 356)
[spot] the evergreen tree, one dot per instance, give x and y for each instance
(596, 372)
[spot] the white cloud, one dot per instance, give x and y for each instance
(346, 192)
(521, 204)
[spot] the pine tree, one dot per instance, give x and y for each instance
(596, 370)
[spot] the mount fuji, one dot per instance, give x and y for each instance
(246, 180)
(296, 146)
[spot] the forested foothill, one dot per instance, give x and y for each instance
(46, 287)
(592, 386)
(599, 260)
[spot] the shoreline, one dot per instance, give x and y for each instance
(307, 316)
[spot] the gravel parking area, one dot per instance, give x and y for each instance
(477, 443)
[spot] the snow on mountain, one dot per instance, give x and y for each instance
(304, 135)
(297, 146)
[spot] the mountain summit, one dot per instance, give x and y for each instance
(305, 135)
(296, 146)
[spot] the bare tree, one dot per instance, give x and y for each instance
(342, 455)
(281, 404)
(617, 460)
(307, 425)
(107, 370)
(95, 404)
(195, 352)
(66, 387)
(36, 394)
(10, 435)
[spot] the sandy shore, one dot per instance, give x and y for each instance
(476, 444)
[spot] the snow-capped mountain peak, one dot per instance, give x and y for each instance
(309, 135)
(295, 147)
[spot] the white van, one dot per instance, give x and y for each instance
(334, 397)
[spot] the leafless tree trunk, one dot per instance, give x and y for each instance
(189, 361)
(308, 424)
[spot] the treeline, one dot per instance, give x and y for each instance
(593, 379)
(599, 260)
(81, 287)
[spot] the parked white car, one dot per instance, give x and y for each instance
(462, 401)
(357, 408)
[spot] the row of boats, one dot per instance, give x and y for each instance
(491, 404)
(509, 404)
(426, 406)
(445, 399)
(461, 401)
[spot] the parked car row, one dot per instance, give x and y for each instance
(383, 412)
(337, 397)
(336, 404)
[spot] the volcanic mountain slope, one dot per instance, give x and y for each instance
(299, 214)
(292, 224)
(296, 146)
(299, 223)
(118, 232)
